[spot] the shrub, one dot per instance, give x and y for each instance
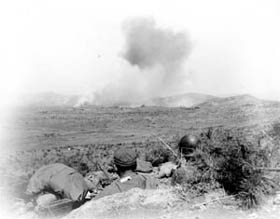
(227, 158)
(157, 155)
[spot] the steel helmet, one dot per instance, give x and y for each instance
(188, 144)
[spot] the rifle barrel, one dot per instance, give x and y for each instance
(268, 169)
(166, 145)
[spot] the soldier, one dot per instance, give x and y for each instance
(125, 161)
(185, 172)
(57, 181)
(187, 145)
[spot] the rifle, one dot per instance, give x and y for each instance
(166, 145)
(179, 159)
(267, 169)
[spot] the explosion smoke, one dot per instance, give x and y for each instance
(154, 64)
(148, 46)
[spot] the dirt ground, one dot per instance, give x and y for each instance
(164, 204)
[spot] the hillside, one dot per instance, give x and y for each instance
(234, 101)
(184, 100)
(51, 99)
(41, 127)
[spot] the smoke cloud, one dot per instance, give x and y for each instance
(148, 46)
(152, 64)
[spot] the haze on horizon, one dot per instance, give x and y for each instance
(88, 48)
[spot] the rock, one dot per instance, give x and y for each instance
(184, 174)
(165, 169)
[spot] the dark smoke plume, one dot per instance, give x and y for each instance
(148, 46)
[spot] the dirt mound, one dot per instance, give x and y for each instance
(163, 203)
(122, 203)
(166, 204)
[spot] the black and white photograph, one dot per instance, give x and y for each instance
(151, 109)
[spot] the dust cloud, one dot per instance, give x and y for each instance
(152, 64)
(148, 46)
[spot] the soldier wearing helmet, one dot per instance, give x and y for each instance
(125, 160)
(185, 149)
(187, 145)
(184, 172)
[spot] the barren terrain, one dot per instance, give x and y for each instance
(42, 135)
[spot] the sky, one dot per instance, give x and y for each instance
(79, 47)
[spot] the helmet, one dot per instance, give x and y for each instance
(125, 157)
(188, 144)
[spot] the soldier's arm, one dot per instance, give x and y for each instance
(109, 190)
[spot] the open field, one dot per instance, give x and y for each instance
(42, 128)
